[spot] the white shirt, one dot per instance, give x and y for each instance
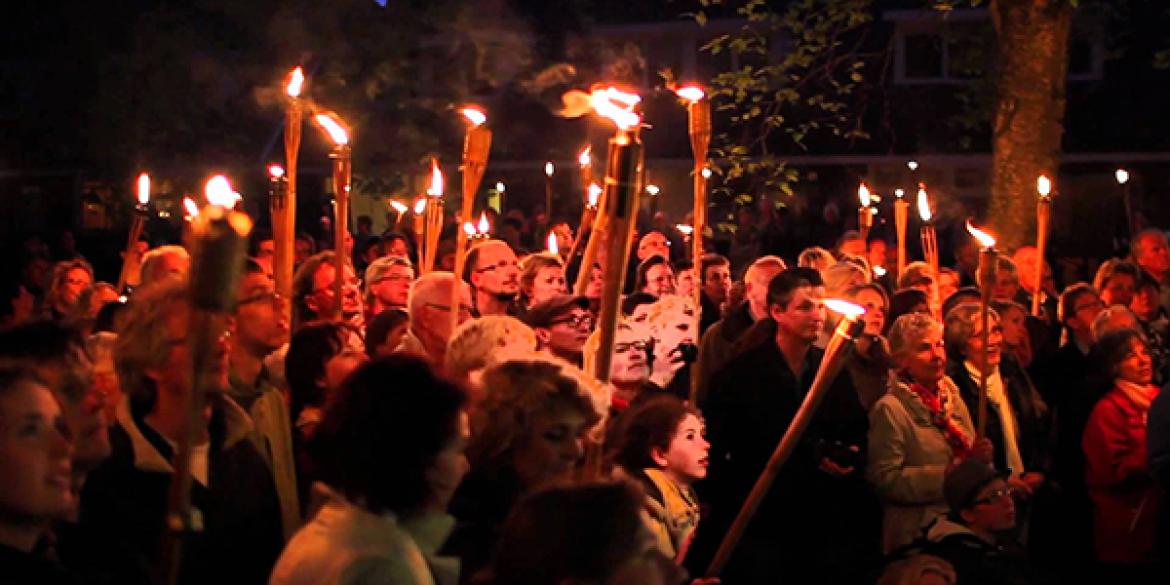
(997, 396)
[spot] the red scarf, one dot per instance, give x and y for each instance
(940, 416)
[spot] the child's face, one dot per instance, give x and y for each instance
(686, 459)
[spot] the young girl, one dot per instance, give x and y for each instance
(661, 444)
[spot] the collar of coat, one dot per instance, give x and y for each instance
(237, 426)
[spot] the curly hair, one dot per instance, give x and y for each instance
(516, 391)
(142, 338)
(61, 270)
(535, 545)
(473, 343)
(908, 330)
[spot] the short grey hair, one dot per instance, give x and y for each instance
(1114, 318)
(961, 323)
(152, 258)
(909, 329)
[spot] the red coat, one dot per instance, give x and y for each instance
(1119, 481)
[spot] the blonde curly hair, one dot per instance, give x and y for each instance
(474, 343)
(516, 391)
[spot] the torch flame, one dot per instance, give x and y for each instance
(863, 195)
(684, 229)
(706, 172)
(398, 206)
(420, 206)
(1122, 176)
(594, 194)
(845, 308)
(586, 157)
(552, 244)
(484, 226)
(616, 105)
(548, 169)
(190, 207)
(143, 189)
(899, 193)
(923, 204)
(436, 188)
(879, 270)
(691, 93)
(985, 239)
(468, 228)
(219, 192)
(1043, 186)
(474, 115)
(296, 81)
(332, 125)
(275, 171)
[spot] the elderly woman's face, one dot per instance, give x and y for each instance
(924, 359)
(974, 349)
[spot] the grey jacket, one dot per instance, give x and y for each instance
(908, 457)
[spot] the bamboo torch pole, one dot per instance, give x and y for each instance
(284, 215)
(433, 216)
(340, 155)
(1043, 219)
(901, 219)
(218, 240)
(988, 259)
(850, 327)
(623, 185)
(864, 213)
(131, 260)
(929, 247)
(477, 145)
(699, 129)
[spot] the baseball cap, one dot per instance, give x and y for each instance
(544, 313)
(963, 482)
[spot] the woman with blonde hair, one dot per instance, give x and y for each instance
(529, 431)
(71, 278)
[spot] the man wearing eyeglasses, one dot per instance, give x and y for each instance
(494, 275)
(313, 292)
(972, 537)
(388, 281)
(430, 316)
(261, 328)
(562, 324)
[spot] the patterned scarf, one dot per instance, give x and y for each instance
(938, 403)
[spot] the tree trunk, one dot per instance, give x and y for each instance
(1032, 69)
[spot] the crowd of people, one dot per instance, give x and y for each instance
(445, 428)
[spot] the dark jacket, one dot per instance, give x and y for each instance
(976, 561)
(21, 568)
(717, 345)
(480, 506)
(711, 313)
(753, 400)
(1030, 411)
(1158, 445)
(126, 498)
